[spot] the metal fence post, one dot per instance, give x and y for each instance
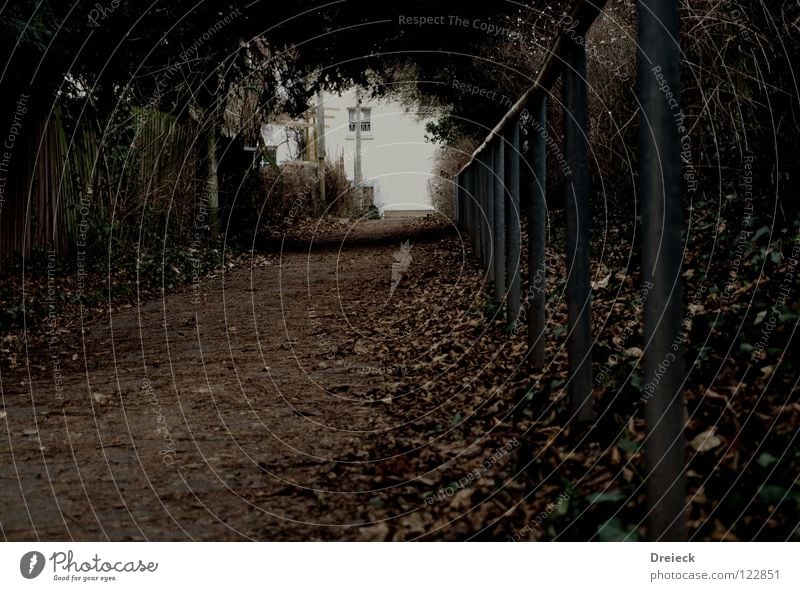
(478, 209)
(537, 228)
(456, 199)
(488, 189)
(485, 250)
(576, 130)
(470, 204)
(499, 220)
(513, 248)
(659, 74)
(462, 202)
(472, 208)
(476, 199)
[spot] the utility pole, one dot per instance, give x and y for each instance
(357, 175)
(320, 148)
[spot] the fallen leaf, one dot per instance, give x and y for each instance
(375, 533)
(414, 524)
(462, 499)
(706, 441)
(603, 283)
(634, 352)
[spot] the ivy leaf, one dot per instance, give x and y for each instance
(771, 493)
(609, 496)
(613, 531)
(766, 460)
(760, 232)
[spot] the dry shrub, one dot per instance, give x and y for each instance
(447, 162)
(289, 190)
(338, 189)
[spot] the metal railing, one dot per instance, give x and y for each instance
(487, 204)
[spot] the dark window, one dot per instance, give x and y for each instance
(366, 122)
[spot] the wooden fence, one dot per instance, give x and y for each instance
(53, 176)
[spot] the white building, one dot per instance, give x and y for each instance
(396, 161)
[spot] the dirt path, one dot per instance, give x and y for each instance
(291, 398)
(242, 408)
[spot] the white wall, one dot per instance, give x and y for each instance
(395, 158)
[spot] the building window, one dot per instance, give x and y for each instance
(366, 119)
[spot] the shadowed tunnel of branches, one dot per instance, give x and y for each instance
(209, 333)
